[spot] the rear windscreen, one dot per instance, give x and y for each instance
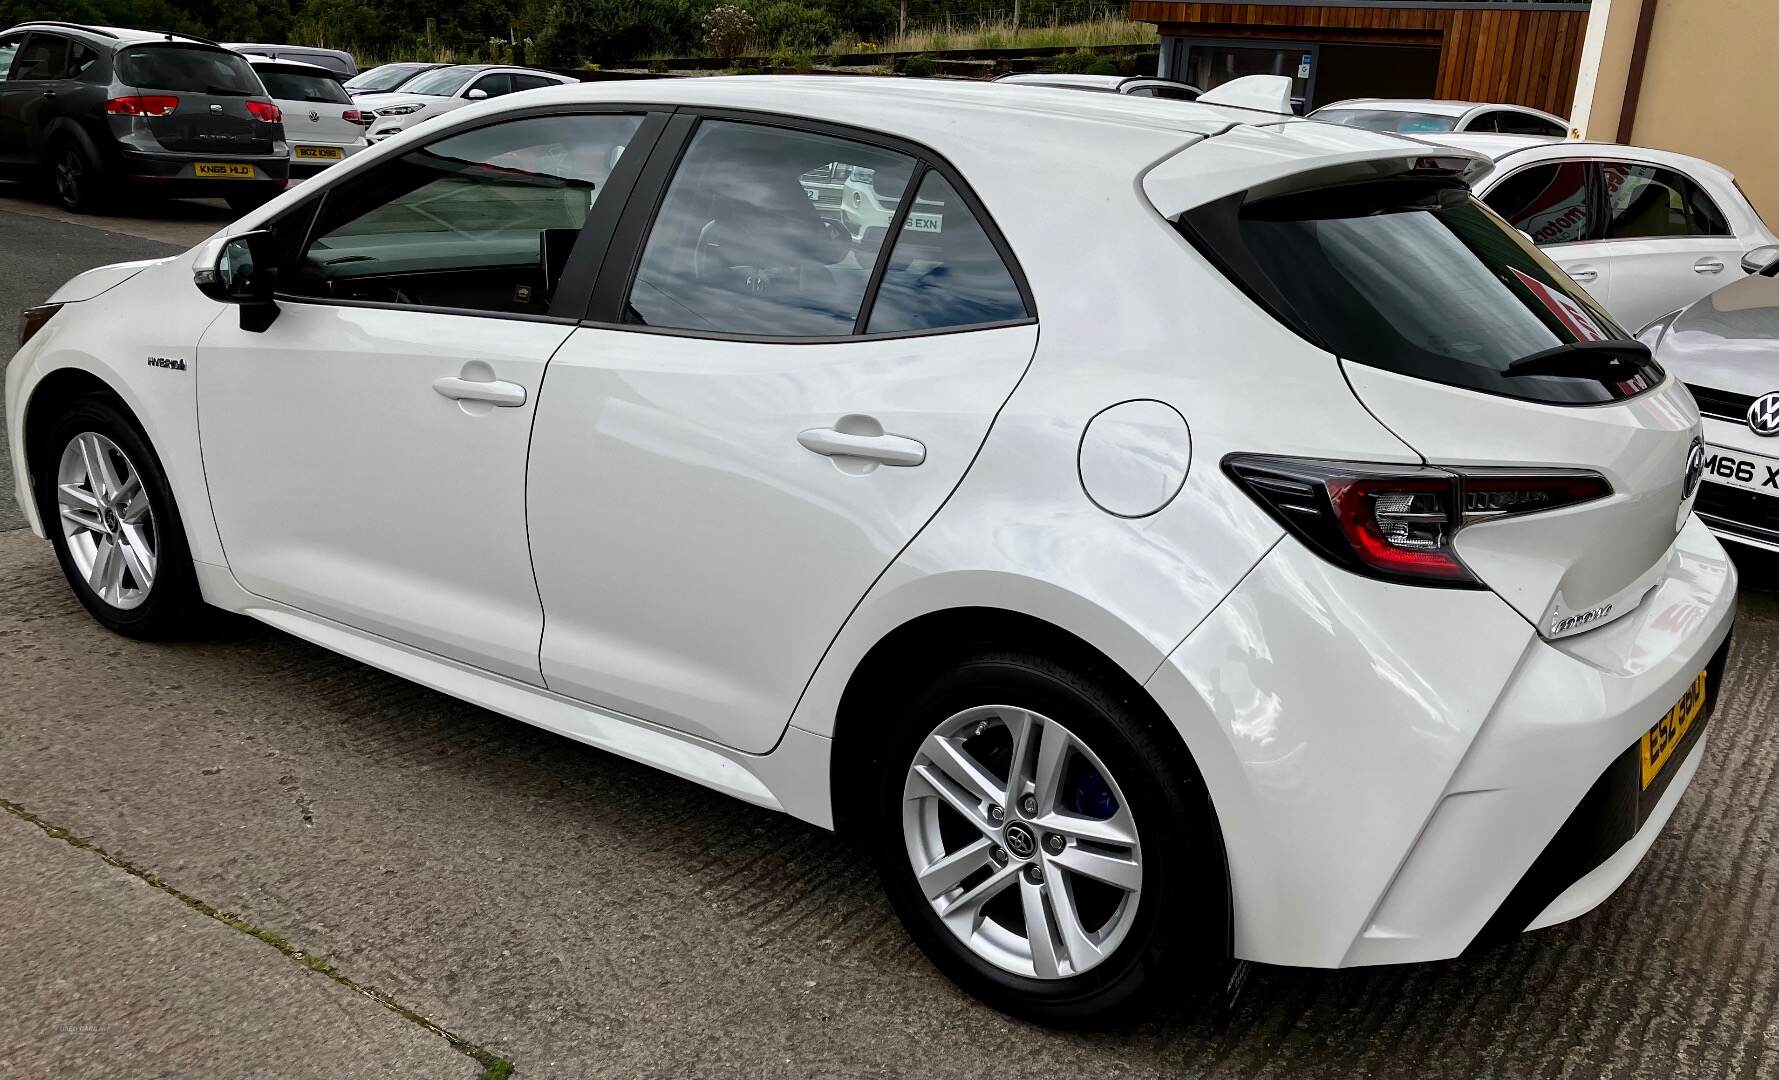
(187, 69)
(1418, 278)
(289, 84)
(1386, 119)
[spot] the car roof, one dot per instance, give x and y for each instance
(1435, 106)
(120, 34)
(1493, 146)
(1499, 147)
(1091, 82)
(273, 62)
(283, 48)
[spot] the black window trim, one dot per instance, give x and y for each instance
(584, 259)
(1596, 196)
(612, 291)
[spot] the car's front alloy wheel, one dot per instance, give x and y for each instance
(1022, 842)
(106, 520)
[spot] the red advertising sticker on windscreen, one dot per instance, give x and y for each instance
(1571, 314)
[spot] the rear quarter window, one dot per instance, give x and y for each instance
(187, 69)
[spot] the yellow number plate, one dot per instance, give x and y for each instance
(223, 170)
(319, 153)
(1660, 741)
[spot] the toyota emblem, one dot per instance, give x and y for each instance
(1695, 468)
(1763, 415)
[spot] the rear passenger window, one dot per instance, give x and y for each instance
(1645, 201)
(742, 246)
(1548, 202)
(531, 82)
(493, 85)
(943, 270)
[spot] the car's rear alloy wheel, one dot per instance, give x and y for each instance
(106, 520)
(76, 184)
(1022, 842)
(1047, 839)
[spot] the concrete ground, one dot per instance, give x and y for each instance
(248, 857)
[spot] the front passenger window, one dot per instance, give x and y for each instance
(483, 220)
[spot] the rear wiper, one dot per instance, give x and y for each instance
(1584, 360)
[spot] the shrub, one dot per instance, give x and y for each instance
(1075, 63)
(786, 24)
(658, 66)
(728, 30)
(919, 66)
(783, 60)
(1102, 67)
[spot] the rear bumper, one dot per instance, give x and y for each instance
(303, 168)
(1390, 764)
(175, 174)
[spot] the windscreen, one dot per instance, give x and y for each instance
(1419, 278)
(187, 69)
(387, 77)
(296, 84)
(442, 83)
(1387, 119)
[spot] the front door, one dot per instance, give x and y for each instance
(720, 473)
(366, 452)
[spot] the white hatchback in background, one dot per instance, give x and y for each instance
(1646, 232)
(436, 92)
(1412, 116)
(1233, 542)
(321, 122)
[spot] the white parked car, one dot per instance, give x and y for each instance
(385, 78)
(1234, 542)
(435, 92)
(337, 61)
(321, 123)
(1645, 231)
(1420, 116)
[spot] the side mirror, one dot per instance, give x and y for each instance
(241, 270)
(1761, 260)
(476, 94)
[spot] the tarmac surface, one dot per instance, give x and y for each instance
(249, 857)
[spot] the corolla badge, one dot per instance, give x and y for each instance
(1763, 415)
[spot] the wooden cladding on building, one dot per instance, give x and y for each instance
(1518, 54)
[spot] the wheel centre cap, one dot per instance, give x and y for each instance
(1020, 840)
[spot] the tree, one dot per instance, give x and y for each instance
(728, 30)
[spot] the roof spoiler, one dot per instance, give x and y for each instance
(1265, 93)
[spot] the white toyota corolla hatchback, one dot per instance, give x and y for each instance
(1233, 542)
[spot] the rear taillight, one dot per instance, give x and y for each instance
(1398, 522)
(264, 110)
(142, 105)
(354, 116)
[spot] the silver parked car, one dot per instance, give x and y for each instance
(1726, 349)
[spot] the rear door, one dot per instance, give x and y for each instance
(752, 427)
(1557, 204)
(1471, 346)
(211, 90)
(1664, 242)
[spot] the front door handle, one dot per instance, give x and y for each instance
(504, 394)
(1708, 265)
(882, 448)
(1587, 275)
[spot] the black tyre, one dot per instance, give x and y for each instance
(76, 179)
(105, 503)
(1049, 845)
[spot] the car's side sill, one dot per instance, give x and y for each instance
(792, 778)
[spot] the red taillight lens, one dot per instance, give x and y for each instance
(1398, 523)
(142, 105)
(264, 110)
(354, 116)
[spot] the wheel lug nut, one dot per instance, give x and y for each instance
(1029, 805)
(1034, 875)
(996, 814)
(1053, 844)
(998, 855)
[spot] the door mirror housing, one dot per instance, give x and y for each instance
(1762, 260)
(241, 270)
(476, 94)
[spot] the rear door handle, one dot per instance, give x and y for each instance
(1584, 274)
(504, 394)
(884, 449)
(1708, 265)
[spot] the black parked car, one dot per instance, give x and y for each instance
(108, 114)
